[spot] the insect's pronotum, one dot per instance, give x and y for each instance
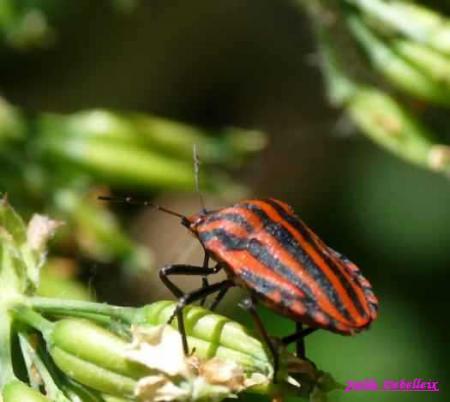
(266, 249)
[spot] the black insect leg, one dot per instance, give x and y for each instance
(190, 298)
(249, 304)
(170, 270)
(218, 298)
(300, 343)
(299, 338)
(205, 282)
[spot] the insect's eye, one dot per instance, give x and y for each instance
(185, 222)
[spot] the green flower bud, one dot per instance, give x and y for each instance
(392, 126)
(419, 23)
(172, 137)
(17, 391)
(226, 359)
(178, 139)
(153, 133)
(122, 163)
(397, 70)
(431, 62)
(100, 124)
(213, 335)
(93, 356)
(12, 224)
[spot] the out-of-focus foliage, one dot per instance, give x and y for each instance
(28, 24)
(59, 163)
(25, 24)
(398, 74)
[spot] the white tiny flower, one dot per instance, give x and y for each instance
(223, 372)
(159, 388)
(39, 230)
(158, 348)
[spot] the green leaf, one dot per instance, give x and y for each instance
(12, 223)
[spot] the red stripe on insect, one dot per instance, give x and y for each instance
(298, 270)
(317, 258)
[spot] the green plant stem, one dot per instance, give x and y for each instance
(104, 320)
(75, 307)
(33, 319)
(6, 370)
(11, 284)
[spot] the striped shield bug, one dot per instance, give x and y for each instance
(266, 249)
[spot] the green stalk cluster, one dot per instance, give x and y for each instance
(401, 76)
(401, 69)
(94, 356)
(212, 335)
(411, 20)
(137, 150)
(77, 351)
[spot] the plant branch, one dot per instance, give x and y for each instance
(75, 308)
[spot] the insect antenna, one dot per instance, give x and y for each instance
(197, 176)
(131, 201)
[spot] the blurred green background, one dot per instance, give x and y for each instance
(253, 64)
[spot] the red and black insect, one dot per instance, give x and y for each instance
(266, 249)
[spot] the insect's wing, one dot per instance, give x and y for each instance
(362, 282)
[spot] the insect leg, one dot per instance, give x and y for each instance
(169, 270)
(190, 298)
(300, 343)
(205, 282)
(299, 337)
(218, 298)
(249, 304)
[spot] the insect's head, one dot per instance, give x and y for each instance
(192, 222)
